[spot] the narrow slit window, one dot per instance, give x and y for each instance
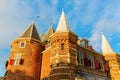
(62, 46)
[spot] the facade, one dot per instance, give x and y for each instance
(60, 55)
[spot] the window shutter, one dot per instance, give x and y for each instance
(20, 61)
(97, 65)
(86, 62)
(6, 65)
(106, 68)
(11, 61)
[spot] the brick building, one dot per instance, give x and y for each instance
(60, 55)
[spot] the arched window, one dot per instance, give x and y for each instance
(62, 46)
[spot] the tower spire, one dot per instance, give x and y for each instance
(63, 25)
(30, 32)
(48, 33)
(106, 48)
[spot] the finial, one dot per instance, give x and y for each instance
(51, 22)
(33, 22)
(102, 32)
(62, 9)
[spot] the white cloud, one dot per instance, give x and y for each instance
(95, 41)
(14, 16)
(109, 23)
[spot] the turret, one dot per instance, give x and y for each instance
(25, 57)
(112, 59)
(63, 50)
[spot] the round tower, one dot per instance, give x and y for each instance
(25, 57)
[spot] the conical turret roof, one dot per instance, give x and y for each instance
(31, 32)
(63, 25)
(106, 48)
(48, 33)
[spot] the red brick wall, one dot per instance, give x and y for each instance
(45, 69)
(31, 56)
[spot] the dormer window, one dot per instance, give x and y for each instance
(84, 43)
(22, 44)
(62, 46)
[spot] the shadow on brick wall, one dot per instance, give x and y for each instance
(17, 75)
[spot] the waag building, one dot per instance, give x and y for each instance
(60, 55)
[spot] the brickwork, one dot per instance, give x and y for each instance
(31, 56)
(114, 65)
(56, 64)
(59, 57)
(64, 57)
(45, 69)
(67, 55)
(62, 72)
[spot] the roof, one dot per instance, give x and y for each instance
(63, 25)
(30, 32)
(48, 33)
(41, 36)
(106, 48)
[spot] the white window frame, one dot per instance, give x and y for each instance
(91, 58)
(101, 65)
(80, 56)
(21, 44)
(82, 43)
(17, 57)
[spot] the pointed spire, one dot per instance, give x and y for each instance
(63, 25)
(31, 32)
(48, 33)
(106, 48)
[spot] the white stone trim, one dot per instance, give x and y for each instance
(16, 59)
(21, 43)
(60, 73)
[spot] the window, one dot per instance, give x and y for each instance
(47, 43)
(17, 58)
(82, 43)
(91, 61)
(80, 58)
(22, 44)
(62, 46)
(44, 79)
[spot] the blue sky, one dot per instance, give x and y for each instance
(86, 18)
